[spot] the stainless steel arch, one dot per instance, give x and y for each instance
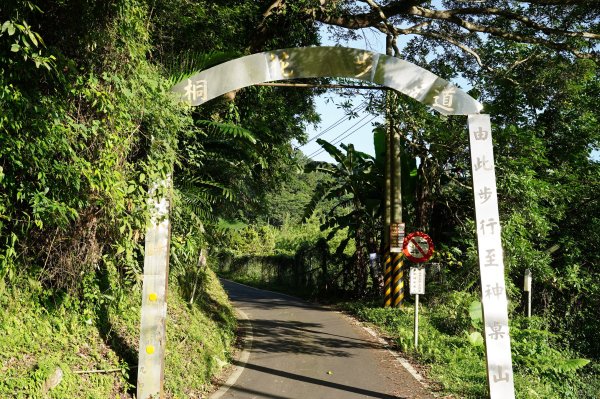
(316, 62)
(403, 76)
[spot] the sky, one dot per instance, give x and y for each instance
(333, 118)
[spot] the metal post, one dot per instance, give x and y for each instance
(416, 321)
(527, 287)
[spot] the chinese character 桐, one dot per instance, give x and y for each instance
(482, 163)
(485, 194)
(490, 224)
(195, 90)
(497, 332)
(490, 258)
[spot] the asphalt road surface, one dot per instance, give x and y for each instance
(300, 350)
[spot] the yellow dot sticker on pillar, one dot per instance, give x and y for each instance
(153, 297)
(150, 349)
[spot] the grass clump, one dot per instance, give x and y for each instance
(41, 331)
(39, 335)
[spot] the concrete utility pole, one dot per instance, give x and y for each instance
(396, 216)
(393, 272)
(387, 210)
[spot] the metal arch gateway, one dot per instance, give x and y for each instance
(391, 72)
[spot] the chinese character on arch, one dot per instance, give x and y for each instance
(445, 99)
(481, 134)
(195, 90)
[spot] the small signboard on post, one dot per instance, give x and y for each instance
(417, 281)
(397, 236)
(418, 248)
(417, 287)
(527, 282)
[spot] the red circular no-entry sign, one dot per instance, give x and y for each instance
(418, 247)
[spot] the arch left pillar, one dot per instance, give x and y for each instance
(153, 339)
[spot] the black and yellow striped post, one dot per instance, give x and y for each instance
(397, 279)
(387, 278)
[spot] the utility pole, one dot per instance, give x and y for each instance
(396, 215)
(393, 194)
(387, 210)
(393, 265)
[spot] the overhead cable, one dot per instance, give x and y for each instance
(358, 108)
(344, 137)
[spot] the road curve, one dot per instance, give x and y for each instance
(300, 350)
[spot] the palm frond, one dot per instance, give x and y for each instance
(332, 150)
(189, 63)
(228, 129)
(318, 166)
(320, 191)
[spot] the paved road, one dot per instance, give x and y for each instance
(304, 351)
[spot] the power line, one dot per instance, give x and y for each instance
(358, 108)
(357, 129)
(343, 133)
(342, 138)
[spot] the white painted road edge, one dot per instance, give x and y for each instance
(243, 359)
(397, 356)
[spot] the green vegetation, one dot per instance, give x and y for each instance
(94, 340)
(88, 124)
(452, 348)
(547, 184)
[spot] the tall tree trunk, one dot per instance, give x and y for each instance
(429, 182)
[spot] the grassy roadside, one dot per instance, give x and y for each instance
(453, 351)
(94, 343)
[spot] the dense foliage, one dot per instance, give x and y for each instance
(87, 124)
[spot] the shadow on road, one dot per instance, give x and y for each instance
(309, 380)
(276, 336)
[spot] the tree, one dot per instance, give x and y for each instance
(565, 26)
(356, 188)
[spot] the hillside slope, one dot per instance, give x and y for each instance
(94, 344)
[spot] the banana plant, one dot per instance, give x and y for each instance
(355, 187)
